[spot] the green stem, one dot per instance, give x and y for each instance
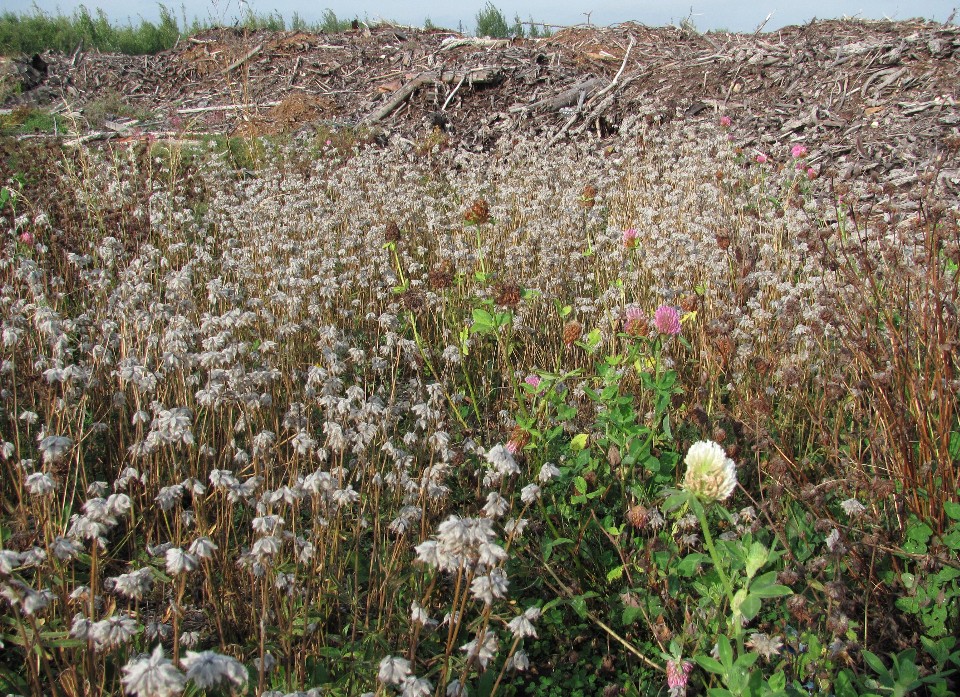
(737, 626)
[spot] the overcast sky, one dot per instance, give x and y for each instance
(735, 15)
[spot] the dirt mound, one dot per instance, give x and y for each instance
(867, 99)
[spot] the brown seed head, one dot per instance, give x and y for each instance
(572, 331)
(441, 277)
(507, 294)
(690, 302)
(392, 233)
(637, 516)
(478, 213)
(588, 198)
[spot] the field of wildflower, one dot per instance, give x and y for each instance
(646, 416)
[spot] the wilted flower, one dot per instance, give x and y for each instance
(547, 472)
(529, 493)
(179, 562)
(630, 238)
(54, 448)
(636, 322)
(40, 483)
(153, 676)
(207, 669)
(667, 320)
(852, 507)
(711, 475)
(572, 331)
(502, 460)
(393, 670)
(115, 630)
(764, 645)
(416, 687)
(483, 648)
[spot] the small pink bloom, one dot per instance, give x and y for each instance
(761, 158)
(636, 322)
(630, 236)
(678, 672)
(667, 320)
(532, 380)
(725, 121)
(329, 142)
(798, 151)
(811, 173)
(513, 447)
(26, 237)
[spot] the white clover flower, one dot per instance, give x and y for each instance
(153, 676)
(113, 631)
(53, 448)
(491, 586)
(179, 562)
(547, 472)
(208, 669)
(497, 505)
(203, 548)
(134, 584)
(482, 649)
(519, 661)
(65, 549)
(711, 475)
(455, 689)
(764, 645)
(852, 507)
(40, 484)
(428, 553)
(9, 560)
(393, 670)
(502, 460)
(521, 626)
(416, 687)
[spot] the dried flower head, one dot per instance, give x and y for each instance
(572, 331)
(637, 516)
(588, 198)
(392, 232)
(518, 440)
(711, 475)
(507, 294)
(478, 213)
(393, 670)
(208, 669)
(441, 276)
(152, 676)
(636, 322)
(630, 238)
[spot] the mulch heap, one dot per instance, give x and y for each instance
(870, 100)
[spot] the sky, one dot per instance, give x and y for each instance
(733, 15)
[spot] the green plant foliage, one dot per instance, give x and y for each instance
(492, 22)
